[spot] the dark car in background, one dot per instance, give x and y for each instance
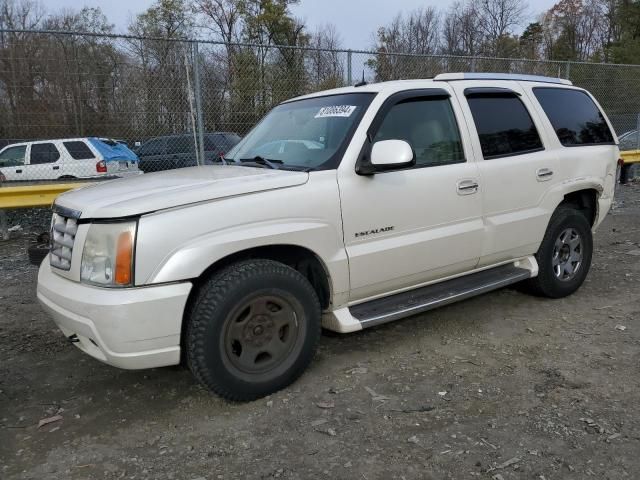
(629, 141)
(178, 151)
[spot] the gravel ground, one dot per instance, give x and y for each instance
(502, 386)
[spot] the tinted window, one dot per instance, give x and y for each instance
(43, 153)
(176, 145)
(429, 126)
(152, 147)
(574, 116)
(13, 157)
(79, 150)
(504, 125)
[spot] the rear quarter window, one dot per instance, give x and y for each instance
(574, 116)
(79, 150)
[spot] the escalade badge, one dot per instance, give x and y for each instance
(373, 231)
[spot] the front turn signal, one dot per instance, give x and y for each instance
(124, 258)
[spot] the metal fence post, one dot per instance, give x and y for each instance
(638, 132)
(567, 71)
(198, 98)
(349, 67)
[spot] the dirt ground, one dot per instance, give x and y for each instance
(502, 386)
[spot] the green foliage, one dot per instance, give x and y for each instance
(531, 41)
(627, 47)
(165, 18)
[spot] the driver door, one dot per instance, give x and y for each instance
(406, 227)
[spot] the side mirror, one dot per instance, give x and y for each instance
(391, 155)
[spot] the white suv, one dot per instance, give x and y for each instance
(66, 159)
(381, 201)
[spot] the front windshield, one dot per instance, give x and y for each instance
(304, 134)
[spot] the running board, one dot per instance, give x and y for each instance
(394, 307)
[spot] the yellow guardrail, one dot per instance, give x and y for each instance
(34, 195)
(630, 156)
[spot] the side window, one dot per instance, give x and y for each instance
(152, 147)
(13, 156)
(178, 145)
(504, 125)
(43, 153)
(574, 116)
(429, 126)
(79, 150)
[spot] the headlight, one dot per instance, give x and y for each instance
(107, 256)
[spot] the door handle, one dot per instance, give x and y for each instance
(544, 174)
(19, 170)
(467, 187)
(56, 167)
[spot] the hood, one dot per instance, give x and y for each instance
(157, 191)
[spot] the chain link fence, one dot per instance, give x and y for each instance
(77, 105)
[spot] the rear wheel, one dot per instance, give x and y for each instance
(252, 329)
(564, 257)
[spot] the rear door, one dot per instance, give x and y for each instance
(517, 167)
(12, 161)
(80, 159)
(44, 162)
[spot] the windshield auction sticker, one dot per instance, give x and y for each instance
(336, 111)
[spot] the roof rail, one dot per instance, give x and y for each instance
(447, 77)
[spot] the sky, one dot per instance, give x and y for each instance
(356, 20)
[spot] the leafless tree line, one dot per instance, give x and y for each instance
(137, 86)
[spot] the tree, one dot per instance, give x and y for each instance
(18, 72)
(573, 30)
(325, 68)
(497, 21)
(461, 33)
(80, 87)
(531, 41)
(163, 77)
(417, 33)
(624, 44)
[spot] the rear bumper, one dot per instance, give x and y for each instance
(131, 328)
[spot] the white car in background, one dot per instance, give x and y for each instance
(67, 159)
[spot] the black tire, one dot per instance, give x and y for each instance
(549, 283)
(215, 356)
(37, 252)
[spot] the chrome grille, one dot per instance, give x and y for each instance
(63, 235)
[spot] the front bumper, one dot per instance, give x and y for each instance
(130, 328)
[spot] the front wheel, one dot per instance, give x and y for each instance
(252, 329)
(565, 254)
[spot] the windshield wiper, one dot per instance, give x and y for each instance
(263, 162)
